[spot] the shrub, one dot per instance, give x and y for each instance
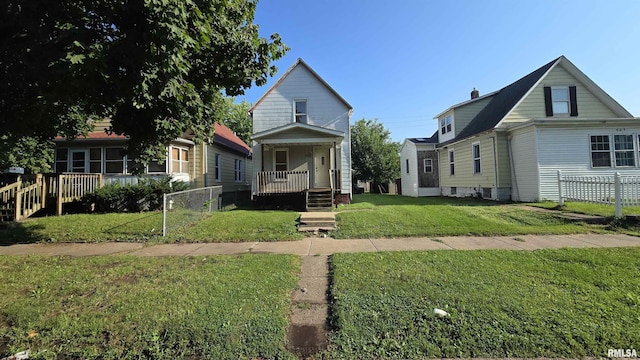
(146, 195)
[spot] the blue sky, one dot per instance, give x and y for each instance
(403, 62)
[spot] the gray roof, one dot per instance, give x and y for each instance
(501, 103)
(430, 140)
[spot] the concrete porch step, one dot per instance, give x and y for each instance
(316, 221)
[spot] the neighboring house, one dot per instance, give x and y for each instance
(510, 144)
(301, 140)
(419, 167)
(99, 152)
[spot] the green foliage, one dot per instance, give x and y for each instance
(374, 157)
(236, 117)
(502, 304)
(374, 215)
(155, 68)
(26, 152)
(218, 307)
(144, 196)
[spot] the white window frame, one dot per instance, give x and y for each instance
(296, 113)
(286, 150)
(445, 125)
(183, 164)
(476, 159)
(632, 151)
(106, 161)
(218, 167)
(237, 170)
(451, 156)
(555, 100)
(429, 166)
(407, 164)
(612, 151)
(65, 161)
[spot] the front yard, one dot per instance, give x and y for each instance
(157, 308)
(369, 216)
(551, 303)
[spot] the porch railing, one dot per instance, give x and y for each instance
(336, 181)
(281, 182)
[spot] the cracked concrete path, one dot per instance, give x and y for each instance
(308, 327)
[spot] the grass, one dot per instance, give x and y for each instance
(224, 226)
(586, 208)
(162, 308)
(549, 303)
(373, 215)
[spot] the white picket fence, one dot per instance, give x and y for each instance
(618, 190)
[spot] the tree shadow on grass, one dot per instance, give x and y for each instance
(16, 233)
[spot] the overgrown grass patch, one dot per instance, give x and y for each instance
(548, 303)
(218, 307)
(396, 216)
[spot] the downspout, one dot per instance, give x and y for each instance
(205, 163)
(514, 180)
(195, 165)
(495, 165)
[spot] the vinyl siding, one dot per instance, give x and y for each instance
(464, 114)
(324, 109)
(409, 181)
(464, 176)
(504, 160)
(532, 107)
(525, 186)
(568, 149)
(227, 171)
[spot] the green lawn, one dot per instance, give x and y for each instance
(551, 303)
(374, 215)
(586, 208)
(223, 226)
(370, 215)
(217, 307)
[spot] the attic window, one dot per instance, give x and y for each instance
(560, 100)
(300, 111)
(445, 124)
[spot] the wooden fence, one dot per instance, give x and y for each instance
(620, 191)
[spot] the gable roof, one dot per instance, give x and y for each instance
(225, 137)
(506, 99)
(321, 131)
(430, 140)
(301, 62)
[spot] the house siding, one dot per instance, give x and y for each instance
(465, 113)
(525, 162)
(568, 149)
(227, 170)
(533, 107)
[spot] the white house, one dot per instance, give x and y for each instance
(419, 167)
(301, 140)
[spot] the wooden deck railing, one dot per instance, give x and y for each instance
(74, 186)
(281, 182)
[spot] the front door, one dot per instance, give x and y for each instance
(79, 161)
(322, 160)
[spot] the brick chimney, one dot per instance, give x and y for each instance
(475, 94)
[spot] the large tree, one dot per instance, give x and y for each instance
(156, 68)
(236, 118)
(374, 156)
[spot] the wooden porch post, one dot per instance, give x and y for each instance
(59, 199)
(18, 199)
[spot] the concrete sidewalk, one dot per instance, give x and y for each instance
(328, 246)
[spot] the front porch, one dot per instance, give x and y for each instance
(274, 183)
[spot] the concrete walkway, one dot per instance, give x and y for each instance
(328, 246)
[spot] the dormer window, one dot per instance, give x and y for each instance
(560, 100)
(300, 107)
(445, 124)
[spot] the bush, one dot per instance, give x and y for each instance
(146, 195)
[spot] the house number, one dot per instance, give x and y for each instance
(621, 129)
